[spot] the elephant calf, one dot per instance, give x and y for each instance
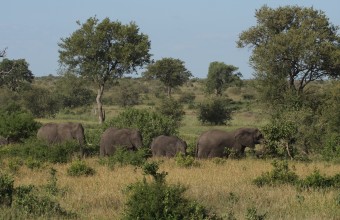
(113, 138)
(167, 146)
(213, 143)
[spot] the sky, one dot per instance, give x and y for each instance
(197, 32)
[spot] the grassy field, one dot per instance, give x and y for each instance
(224, 188)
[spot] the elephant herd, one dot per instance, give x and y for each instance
(212, 143)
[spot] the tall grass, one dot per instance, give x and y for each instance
(225, 188)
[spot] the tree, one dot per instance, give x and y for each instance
(294, 43)
(171, 72)
(220, 76)
(104, 51)
(14, 74)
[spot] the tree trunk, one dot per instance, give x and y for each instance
(101, 112)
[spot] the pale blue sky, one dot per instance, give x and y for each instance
(195, 31)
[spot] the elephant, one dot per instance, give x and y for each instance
(167, 146)
(112, 138)
(54, 133)
(213, 143)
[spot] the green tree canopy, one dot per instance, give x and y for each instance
(220, 76)
(294, 43)
(104, 51)
(171, 72)
(15, 73)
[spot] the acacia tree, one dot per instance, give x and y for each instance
(292, 43)
(15, 73)
(171, 72)
(104, 51)
(220, 76)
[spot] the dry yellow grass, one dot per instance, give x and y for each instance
(224, 188)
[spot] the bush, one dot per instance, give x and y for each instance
(80, 168)
(149, 123)
(318, 181)
(186, 161)
(171, 108)
(163, 201)
(6, 189)
(123, 157)
(16, 125)
(279, 175)
(187, 98)
(39, 151)
(331, 149)
(215, 111)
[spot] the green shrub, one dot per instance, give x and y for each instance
(216, 111)
(171, 108)
(331, 149)
(6, 189)
(318, 181)
(280, 138)
(80, 168)
(186, 161)
(281, 174)
(164, 201)
(16, 125)
(123, 157)
(149, 123)
(253, 215)
(38, 150)
(30, 201)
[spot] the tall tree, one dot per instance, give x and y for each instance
(220, 76)
(15, 73)
(104, 51)
(292, 43)
(171, 72)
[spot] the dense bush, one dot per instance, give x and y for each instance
(215, 111)
(281, 174)
(171, 108)
(149, 123)
(123, 157)
(187, 97)
(80, 168)
(42, 102)
(280, 138)
(164, 201)
(37, 150)
(6, 189)
(16, 125)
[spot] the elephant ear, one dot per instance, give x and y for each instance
(244, 138)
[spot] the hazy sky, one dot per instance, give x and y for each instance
(197, 32)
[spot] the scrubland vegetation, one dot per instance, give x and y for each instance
(293, 100)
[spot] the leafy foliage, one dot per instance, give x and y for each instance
(215, 111)
(220, 77)
(149, 123)
(171, 72)
(80, 168)
(15, 124)
(123, 157)
(164, 201)
(6, 189)
(281, 174)
(104, 51)
(292, 42)
(172, 109)
(14, 74)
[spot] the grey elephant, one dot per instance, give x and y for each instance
(213, 143)
(54, 133)
(168, 146)
(112, 138)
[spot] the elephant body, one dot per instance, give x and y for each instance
(112, 138)
(55, 133)
(213, 143)
(167, 146)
